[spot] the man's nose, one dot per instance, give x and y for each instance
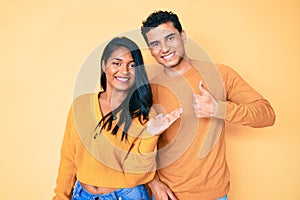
(164, 47)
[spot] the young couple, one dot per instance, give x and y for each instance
(116, 141)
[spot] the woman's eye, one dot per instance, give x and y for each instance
(131, 65)
(116, 63)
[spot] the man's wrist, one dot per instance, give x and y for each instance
(153, 182)
(220, 112)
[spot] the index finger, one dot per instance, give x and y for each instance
(171, 195)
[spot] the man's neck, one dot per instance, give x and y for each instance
(178, 70)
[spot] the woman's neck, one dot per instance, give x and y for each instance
(108, 101)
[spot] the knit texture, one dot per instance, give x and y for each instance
(192, 152)
(102, 159)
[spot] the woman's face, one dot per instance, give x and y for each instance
(119, 69)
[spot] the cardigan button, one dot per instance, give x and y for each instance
(95, 137)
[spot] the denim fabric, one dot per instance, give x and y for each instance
(223, 198)
(138, 192)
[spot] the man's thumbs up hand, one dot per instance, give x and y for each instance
(204, 105)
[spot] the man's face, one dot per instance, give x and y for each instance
(166, 44)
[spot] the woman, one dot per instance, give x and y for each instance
(108, 150)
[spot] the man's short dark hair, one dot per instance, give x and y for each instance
(157, 18)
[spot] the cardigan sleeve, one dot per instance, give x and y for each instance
(140, 162)
(243, 105)
(67, 170)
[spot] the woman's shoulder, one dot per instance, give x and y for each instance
(85, 98)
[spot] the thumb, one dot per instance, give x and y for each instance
(202, 89)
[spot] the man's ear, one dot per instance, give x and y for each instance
(183, 36)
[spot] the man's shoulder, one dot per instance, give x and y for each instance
(158, 78)
(223, 67)
(209, 65)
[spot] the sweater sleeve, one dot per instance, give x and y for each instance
(140, 163)
(67, 170)
(243, 104)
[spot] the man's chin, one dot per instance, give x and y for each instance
(169, 64)
(172, 63)
(172, 66)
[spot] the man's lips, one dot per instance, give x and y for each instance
(169, 56)
(123, 79)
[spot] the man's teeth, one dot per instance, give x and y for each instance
(122, 78)
(169, 56)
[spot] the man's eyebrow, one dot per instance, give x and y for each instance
(152, 42)
(169, 35)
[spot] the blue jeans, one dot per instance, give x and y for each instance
(138, 192)
(223, 198)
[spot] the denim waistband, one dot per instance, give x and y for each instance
(80, 193)
(223, 198)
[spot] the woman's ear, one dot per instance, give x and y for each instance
(103, 65)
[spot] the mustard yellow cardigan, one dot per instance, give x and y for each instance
(102, 159)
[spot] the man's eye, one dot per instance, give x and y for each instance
(170, 38)
(154, 44)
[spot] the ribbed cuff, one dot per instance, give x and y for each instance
(203, 195)
(221, 110)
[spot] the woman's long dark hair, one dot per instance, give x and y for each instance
(139, 98)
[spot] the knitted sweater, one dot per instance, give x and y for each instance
(102, 159)
(191, 155)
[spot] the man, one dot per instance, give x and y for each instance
(191, 157)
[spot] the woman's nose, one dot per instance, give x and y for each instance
(124, 68)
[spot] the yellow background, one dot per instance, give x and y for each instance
(44, 43)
